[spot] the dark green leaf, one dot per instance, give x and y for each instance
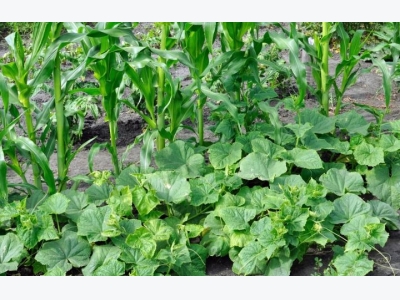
(70, 251)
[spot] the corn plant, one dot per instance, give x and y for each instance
(166, 103)
(21, 72)
(198, 44)
(62, 82)
(290, 40)
(388, 62)
(105, 56)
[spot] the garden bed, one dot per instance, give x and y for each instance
(366, 91)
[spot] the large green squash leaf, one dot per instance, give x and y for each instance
(170, 186)
(353, 264)
(180, 157)
(259, 165)
(104, 262)
(386, 214)
(251, 259)
(11, 250)
(384, 183)
(93, 222)
(353, 123)
(366, 154)
(340, 182)
(304, 158)
(65, 253)
(55, 204)
(237, 218)
(348, 207)
(320, 123)
(224, 155)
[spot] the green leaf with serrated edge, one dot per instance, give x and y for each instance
(55, 204)
(315, 192)
(384, 183)
(322, 210)
(125, 178)
(353, 264)
(142, 266)
(216, 245)
(34, 228)
(65, 253)
(144, 201)
(142, 239)
(101, 257)
(299, 129)
(320, 123)
(279, 266)
(317, 232)
(56, 271)
(358, 223)
(259, 165)
(197, 266)
(270, 236)
(386, 214)
(389, 143)
(159, 229)
(287, 180)
(9, 212)
(180, 157)
(193, 230)
(169, 186)
(205, 189)
(303, 158)
(348, 207)
(266, 146)
(294, 217)
(340, 182)
(240, 238)
(261, 199)
(237, 218)
(246, 140)
(311, 141)
(224, 155)
(365, 240)
(366, 154)
(93, 222)
(78, 201)
(251, 260)
(338, 146)
(98, 194)
(215, 240)
(11, 250)
(121, 201)
(353, 123)
(230, 200)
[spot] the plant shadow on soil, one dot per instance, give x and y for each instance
(367, 90)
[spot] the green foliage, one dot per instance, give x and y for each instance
(263, 194)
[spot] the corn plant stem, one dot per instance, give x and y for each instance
(346, 75)
(31, 134)
(113, 139)
(160, 91)
(60, 123)
(325, 69)
(200, 120)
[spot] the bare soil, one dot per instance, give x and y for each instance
(367, 90)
